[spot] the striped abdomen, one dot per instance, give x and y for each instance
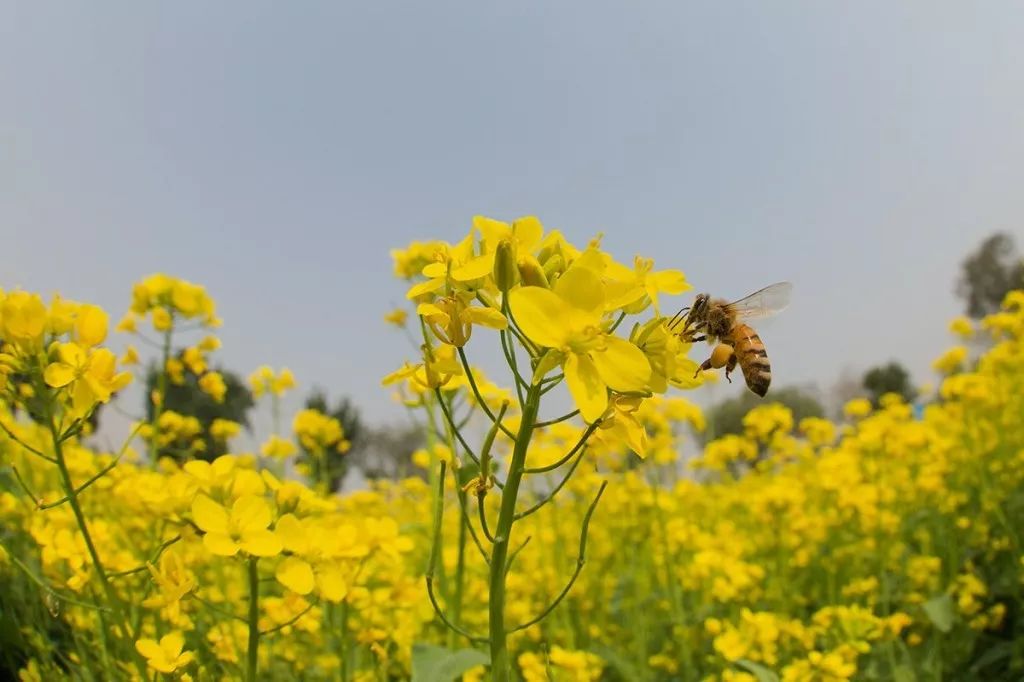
(752, 358)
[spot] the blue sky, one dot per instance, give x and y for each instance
(275, 152)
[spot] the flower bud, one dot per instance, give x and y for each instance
(554, 266)
(532, 272)
(552, 358)
(506, 271)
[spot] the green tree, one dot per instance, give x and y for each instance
(988, 274)
(727, 416)
(889, 378)
(187, 399)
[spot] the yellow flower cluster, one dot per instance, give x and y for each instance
(317, 431)
(264, 381)
(884, 547)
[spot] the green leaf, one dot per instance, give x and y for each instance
(436, 664)
(994, 654)
(940, 611)
(759, 671)
(903, 673)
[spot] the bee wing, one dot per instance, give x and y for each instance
(763, 303)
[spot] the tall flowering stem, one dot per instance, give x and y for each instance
(556, 309)
(500, 663)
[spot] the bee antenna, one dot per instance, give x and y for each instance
(677, 317)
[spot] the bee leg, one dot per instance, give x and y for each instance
(704, 366)
(697, 339)
(730, 366)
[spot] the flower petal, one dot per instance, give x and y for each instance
(293, 535)
(261, 543)
(622, 366)
(58, 374)
(669, 281)
(581, 288)
(220, 544)
(528, 231)
(478, 267)
(633, 432)
(424, 287)
(541, 314)
(588, 390)
(148, 648)
(91, 325)
(486, 317)
(250, 513)
(209, 515)
(432, 313)
(296, 575)
(172, 644)
(333, 586)
(492, 231)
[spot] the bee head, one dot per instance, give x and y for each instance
(699, 309)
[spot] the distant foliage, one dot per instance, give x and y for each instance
(189, 400)
(727, 416)
(990, 273)
(889, 378)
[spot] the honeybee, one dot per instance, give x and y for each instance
(716, 320)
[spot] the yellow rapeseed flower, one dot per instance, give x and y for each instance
(243, 528)
(567, 320)
(91, 376)
(167, 656)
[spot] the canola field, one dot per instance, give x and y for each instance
(594, 544)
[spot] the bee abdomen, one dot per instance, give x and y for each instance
(752, 358)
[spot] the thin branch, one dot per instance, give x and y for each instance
(435, 550)
(99, 474)
(50, 590)
(550, 496)
(216, 609)
(483, 519)
(458, 434)
(580, 444)
(580, 561)
(510, 358)
(25, 445)
(159, 552)
(451, 423)
(24, 486)
(444, 619)
(564, 417)
(480, 398)
(472, 531)
(294, 620)
(530, 346)
(515, 553)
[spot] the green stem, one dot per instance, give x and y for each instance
(108, 589)
(480, 398)
(460, 569)
(500, 661)
(161, 387)
(252, 657)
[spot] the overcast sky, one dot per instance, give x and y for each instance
(275, 152)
